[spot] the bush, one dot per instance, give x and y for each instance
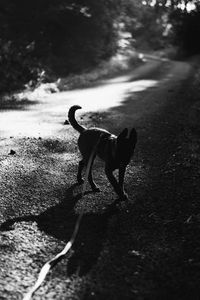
(186, 31)
(17, 67)
(106, 69)
(63, 36)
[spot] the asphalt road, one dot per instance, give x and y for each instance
(133, 253)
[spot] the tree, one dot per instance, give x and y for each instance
(186, 30)
(63, 35)
(146, 20)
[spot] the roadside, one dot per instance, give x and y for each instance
(150, 248)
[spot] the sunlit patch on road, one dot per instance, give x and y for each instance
(45, 118)
(104, 97)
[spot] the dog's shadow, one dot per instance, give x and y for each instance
(59, 221)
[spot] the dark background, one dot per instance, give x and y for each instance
(40, 39)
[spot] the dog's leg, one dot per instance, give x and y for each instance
(80, 169)
(114, 183)
(94, 187)
(121, 176)
(122, 171)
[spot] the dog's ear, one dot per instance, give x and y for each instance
(123, 134)
(133, 136)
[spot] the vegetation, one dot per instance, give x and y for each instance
(186, 30)
(44, 37)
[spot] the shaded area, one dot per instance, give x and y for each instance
(156, 246)
(43, 40)
(58, 37)
(59, 222)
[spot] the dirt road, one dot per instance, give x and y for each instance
(149, 249)
(44, 115)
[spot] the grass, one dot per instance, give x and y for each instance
(106, 69)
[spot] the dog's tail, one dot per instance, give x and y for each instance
(72, 120)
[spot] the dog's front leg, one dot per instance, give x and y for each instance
(118, 189)
(122, 171)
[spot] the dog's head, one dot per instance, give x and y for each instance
(126, 145)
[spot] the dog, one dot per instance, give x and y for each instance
(115, 151)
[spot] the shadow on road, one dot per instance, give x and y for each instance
(59, 221)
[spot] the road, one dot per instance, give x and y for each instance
(45, 116)
(135, 253)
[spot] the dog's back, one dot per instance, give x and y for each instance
(111, 148)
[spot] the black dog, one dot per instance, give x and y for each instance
(115, 151)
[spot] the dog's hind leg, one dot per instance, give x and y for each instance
(122, 170)
(80, 169)
(93, 185)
